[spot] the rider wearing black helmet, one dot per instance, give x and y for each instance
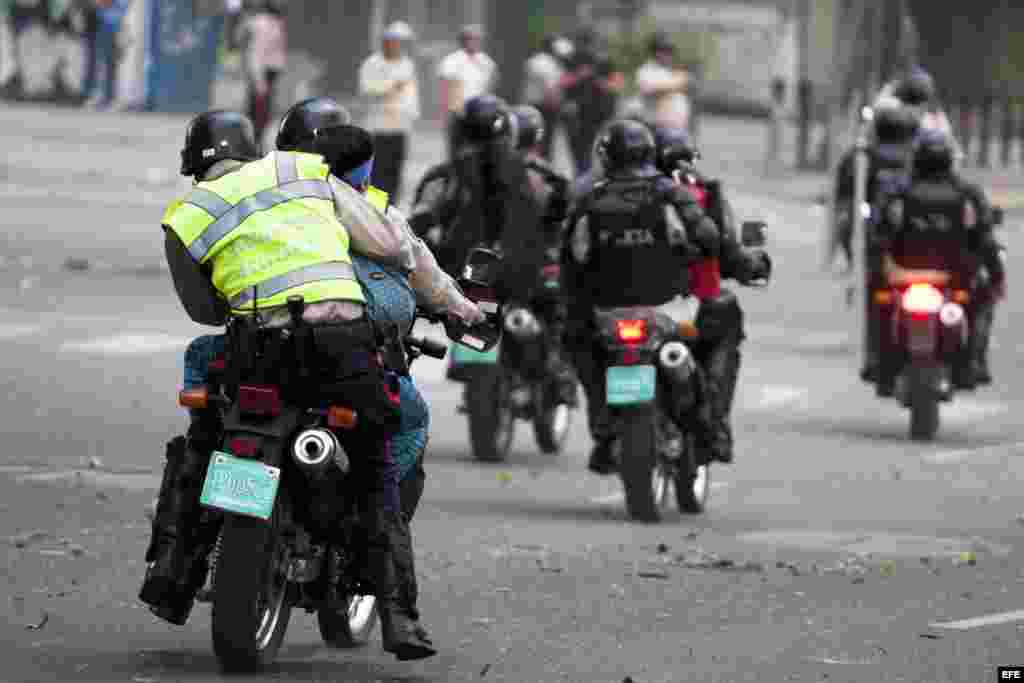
(942, 222)
(220, 155)
(720, 317)
(892, 136)
(303, 119)
(626, 244)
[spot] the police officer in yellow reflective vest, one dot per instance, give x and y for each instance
(252, 233)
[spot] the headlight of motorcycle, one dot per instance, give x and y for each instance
(522, 323)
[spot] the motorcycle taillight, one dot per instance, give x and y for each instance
(244, 448)
(259, 399)
(631, 331)
(922, 299)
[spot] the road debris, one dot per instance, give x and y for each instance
(77, 264)
(930, 636)
(27, 538)
(483, 671)
(967, 557)
(504, 478)
(887, 568)
(652, 574)
(662, 548)
(39, 626)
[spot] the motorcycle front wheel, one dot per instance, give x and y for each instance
(552, 420)
(349, 627)
(250, 599)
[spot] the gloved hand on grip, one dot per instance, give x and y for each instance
(761, 267)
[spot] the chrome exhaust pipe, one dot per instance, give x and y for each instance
(676, 360)
(317, 452)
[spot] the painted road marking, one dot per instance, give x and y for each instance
(978, 622)
(15, 331)
(778, 395)
(963, 454)
(129, 344)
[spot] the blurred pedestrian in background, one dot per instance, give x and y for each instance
(592, 86)
(101, 52)
(663, 86)
(388, 80)
(264, 40)
(17, 15)
(542, 88)
(465, 74)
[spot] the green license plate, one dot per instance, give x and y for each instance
(463, 354)
(630, 384)
(245, 487)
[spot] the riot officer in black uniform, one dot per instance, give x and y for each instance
(720, 319)
(943, 222)
(605, 265)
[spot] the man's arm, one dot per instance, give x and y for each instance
(651, 82)
(198, 296)
(982, 240)
(370, 232)
(701, 231)
(371, 82)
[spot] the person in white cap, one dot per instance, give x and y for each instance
(387, 79)
(465, 74)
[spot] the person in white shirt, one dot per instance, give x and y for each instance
(663, 86)
(542, 86)
(388, 80)
(464, 74)
(264, 36)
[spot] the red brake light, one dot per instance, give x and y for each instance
(631, 330)
(259, 400)
(245, 448)
(551, 271)
(922, 299)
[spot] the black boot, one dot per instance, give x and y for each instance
(602, 457)
(163, 588)
(400, 633)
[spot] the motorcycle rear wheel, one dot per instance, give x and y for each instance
(491, 423)
(250, 599)
(637, 461)
(924, 409)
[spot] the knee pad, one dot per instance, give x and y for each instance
(720, 317)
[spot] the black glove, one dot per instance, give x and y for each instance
(760, 266)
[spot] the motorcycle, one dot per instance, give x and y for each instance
(279, 527)
(652, 383)
(927, 335)
(512, 382)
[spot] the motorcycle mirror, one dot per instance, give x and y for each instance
(753, 233)
(867, 114)
(997, 215)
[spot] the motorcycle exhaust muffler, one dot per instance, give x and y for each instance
(679, 369)
(522, 323)
(317, 453)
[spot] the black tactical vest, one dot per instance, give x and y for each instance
(932, 234)
(632, 260)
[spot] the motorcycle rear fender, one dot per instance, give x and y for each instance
(281, 425)
(931, 375)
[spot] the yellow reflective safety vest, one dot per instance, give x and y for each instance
(269, 231)
(379, 198)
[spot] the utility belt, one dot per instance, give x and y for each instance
(341, 363)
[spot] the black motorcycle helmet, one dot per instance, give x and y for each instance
(672, 149)
(217, 135)
(895, 125)
(300, 123)
(917, 88)
(530, 123)
(486, 118)
(625, 144)
(933, 153)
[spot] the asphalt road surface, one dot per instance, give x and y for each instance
(856, 554)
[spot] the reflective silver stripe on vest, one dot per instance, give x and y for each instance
(300, 276)
(261, 201)
(209, 202)
(287, 168)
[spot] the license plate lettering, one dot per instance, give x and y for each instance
(630, 385)
(245, 487)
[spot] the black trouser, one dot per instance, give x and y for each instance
(582, 134)
(454, 134)
(389, 159)
(261, 107)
